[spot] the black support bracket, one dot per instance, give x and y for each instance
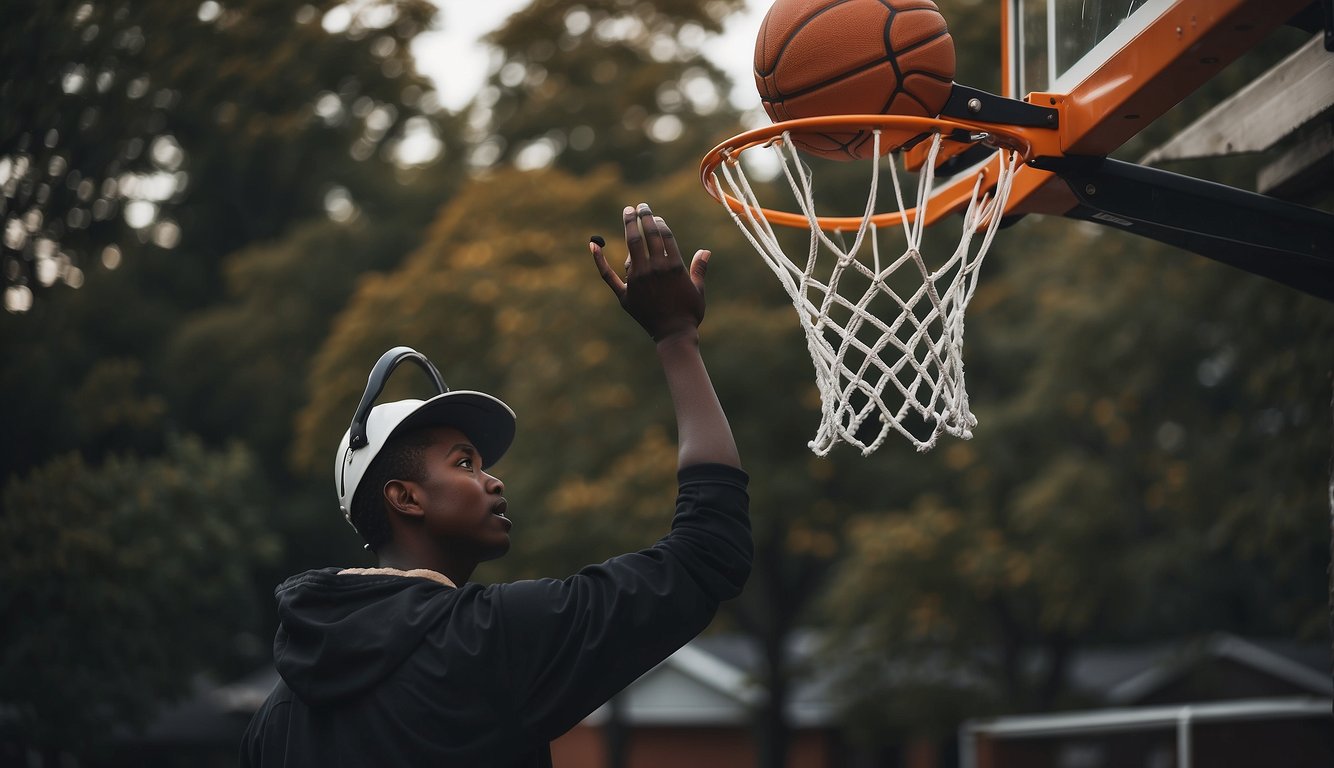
(1287, 243)
(967, 103)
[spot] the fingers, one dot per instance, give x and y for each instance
(637, 258)
(673, 250)
(609, 275)
(653, 238)
(699, 266)
(651, 244)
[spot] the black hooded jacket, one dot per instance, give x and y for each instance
(388, 670)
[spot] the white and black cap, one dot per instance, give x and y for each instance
(486, 421)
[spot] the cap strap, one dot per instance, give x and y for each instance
(379, 376)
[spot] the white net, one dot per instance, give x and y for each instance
(885, 334)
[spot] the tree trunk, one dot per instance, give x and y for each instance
(782, 585)
(1012, 651)
(1053, 681)
(775, 732)
(780, 606)
(617, 732)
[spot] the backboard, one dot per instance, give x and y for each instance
(1113, 67)
(1054, 45)
(1126, 61)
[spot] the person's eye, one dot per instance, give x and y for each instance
(465, 462)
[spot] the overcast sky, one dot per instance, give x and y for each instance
(457, 62)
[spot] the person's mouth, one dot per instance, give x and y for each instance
(499, 511)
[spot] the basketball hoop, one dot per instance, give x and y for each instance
(897, 366)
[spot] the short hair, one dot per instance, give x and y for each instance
(402, 458)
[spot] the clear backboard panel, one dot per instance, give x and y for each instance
(1055, 44)
(1114, 67)
(1119, 64)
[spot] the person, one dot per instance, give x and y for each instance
(411, 664)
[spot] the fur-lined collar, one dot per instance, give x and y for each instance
(419, 573)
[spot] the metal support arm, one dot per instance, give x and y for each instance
(1284, 242)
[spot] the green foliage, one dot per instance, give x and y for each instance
(257, 117)
(238, 367)
(110, 412)
(216, 124)
(592, 82)
(261, 118)
(63, 359)
(123, 581)
(975, 27)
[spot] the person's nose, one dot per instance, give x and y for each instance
(494, 484)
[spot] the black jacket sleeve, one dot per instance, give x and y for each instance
(570, 645)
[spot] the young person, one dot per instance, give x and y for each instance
(409, 664)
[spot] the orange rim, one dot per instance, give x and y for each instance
(899, 130)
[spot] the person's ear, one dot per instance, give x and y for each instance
(403, 498)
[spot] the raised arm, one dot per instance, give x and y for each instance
(669, 303)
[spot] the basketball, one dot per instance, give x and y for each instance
(851, 57)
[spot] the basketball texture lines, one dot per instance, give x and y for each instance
(851, 57)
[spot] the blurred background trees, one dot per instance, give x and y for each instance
(606, 81)
(258, 197)
(211, 178)
(122, 581)
(1139, 473)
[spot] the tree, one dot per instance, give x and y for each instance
(1149, 463)
(267, 118)
(123, 581)
(201, 127)
(239, 366)
(584, 83)
(268, 140)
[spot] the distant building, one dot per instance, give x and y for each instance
(696, 710)
(1223, 703)
(1220, 702)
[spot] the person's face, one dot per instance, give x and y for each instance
(463, 507)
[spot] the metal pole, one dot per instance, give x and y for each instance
(1183, 738)
(967, 746)
(1330, 569)
(1052, 69)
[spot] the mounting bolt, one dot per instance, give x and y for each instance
(975, 105)
(1091, 190)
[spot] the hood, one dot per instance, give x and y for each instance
(341, 634)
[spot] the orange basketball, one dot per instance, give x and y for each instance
(852, 57)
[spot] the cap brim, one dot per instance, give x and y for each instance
(486, 421)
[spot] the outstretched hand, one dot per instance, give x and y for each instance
(657, 290)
